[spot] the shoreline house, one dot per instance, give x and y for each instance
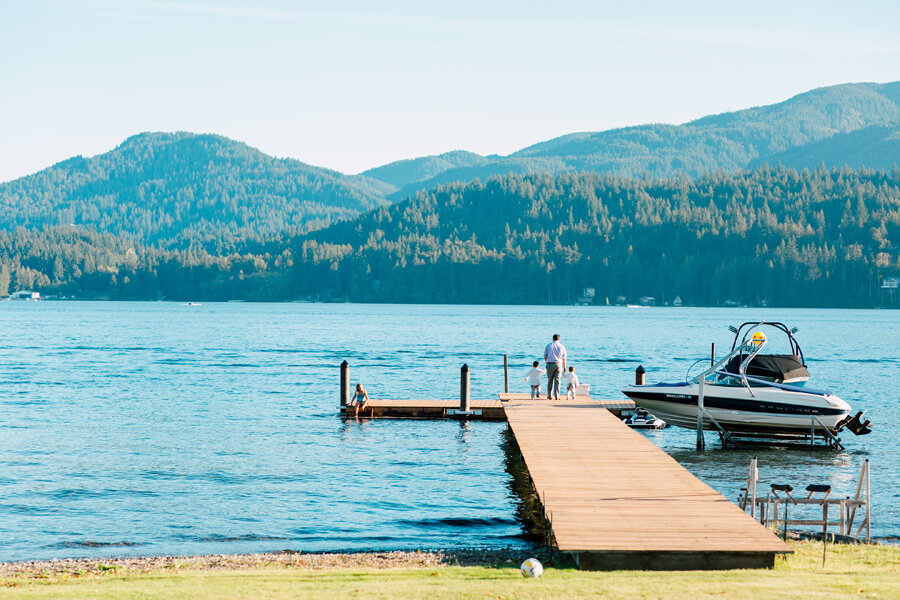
(586, 297)
(25, 295)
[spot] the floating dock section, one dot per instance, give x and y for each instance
(491, 410)
(616, 501)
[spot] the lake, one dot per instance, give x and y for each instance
(161, 428)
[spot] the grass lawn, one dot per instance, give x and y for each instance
(850, 572)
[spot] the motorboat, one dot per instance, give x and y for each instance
(748, 392)
(642, 419)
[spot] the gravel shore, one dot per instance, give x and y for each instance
(64, 568)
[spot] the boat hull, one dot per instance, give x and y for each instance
(769, 410)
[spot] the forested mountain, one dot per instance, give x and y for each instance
(821, 238)
(175, 188)
(876, 147)
(203, 217)
(405, 172)
(178, 190)
(773, 235)
(728, 141)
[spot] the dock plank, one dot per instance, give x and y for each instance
(616, 500)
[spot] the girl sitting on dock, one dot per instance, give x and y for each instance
(360, 399)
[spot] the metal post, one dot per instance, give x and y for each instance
(639, 375)
(824, 530)
(345, 384)
(701, 443)
(754, 475)
(712, 355)
(464, 388)
(859, 486)
(505, 374)
(787, 505)
(868, 504)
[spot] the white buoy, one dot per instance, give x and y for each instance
(532, 568)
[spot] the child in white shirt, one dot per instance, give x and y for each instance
(571, 383)
(534, 379)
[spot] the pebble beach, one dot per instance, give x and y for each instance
(75, 568)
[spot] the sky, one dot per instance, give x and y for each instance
(354, 85)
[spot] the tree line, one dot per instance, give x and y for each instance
(772, 236)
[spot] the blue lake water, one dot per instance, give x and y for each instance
(160, 428)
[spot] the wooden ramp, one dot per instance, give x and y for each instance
(616, 501)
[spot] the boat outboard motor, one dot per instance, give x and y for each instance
(855, 424)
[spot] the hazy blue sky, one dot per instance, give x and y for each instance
(352, 85)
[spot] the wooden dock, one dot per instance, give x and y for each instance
(490, 410)
(611, 497)
(616, 501)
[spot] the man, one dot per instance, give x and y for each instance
(554, 354)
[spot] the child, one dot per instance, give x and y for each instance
(571, 383)
(360, 400)
(534, 379)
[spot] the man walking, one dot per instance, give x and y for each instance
(554, 354)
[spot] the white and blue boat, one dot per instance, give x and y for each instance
(750, 393)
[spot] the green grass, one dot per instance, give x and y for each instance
(850, 572)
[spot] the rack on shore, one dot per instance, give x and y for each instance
(840, 514)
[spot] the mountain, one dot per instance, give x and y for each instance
(404, 172)
(771, 236)
(876, 147)
(727, 141)
(171, 188)
(177, 190)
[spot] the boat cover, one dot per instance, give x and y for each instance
(779, 367)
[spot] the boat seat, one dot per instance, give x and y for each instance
(783, 487)
(818, 489)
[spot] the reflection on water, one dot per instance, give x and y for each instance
(151, 428)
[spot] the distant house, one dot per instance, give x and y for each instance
(587, 297)
(890, 283)
(647, 301)
(620, 300)
(677, 301)
(25, 295)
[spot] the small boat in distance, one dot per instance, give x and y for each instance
(747, 393)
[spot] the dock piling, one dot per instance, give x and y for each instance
(639, 375)
(345, 384)
(712, 355)
(505, 374)
(464, 388)
(701, 443)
